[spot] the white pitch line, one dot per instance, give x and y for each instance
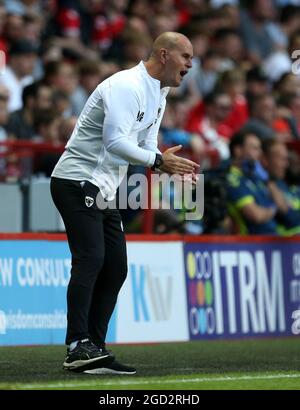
(157, 381)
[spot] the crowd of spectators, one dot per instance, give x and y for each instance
(237, 111)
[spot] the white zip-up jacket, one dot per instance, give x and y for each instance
(118, 125)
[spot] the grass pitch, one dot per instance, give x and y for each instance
(272, 364)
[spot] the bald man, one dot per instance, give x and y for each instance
(117, 127)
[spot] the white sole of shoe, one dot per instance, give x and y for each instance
(105, 370)
(79, 363)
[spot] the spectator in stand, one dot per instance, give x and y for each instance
(140, 9)
(257, 83)
(136, 47)
(288, 120)
(46, 125)
(250, 202)
(162, 23)
(89, 77)
(33, 25)
(276, 161)
(191, 85)
(279, 62)
(262, 116)
(34, 97)
(62, 104)
(256, 26)
(14, 27)
(173, 132)
(287, 83)
(63, 78)
(19, 71)
(109, 24)
(228, 44)
(233, 83)
(293, 171)
(231, 15)
(206, 74)
(207, 120)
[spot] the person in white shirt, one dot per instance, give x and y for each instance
(118, 126)
(19, 71)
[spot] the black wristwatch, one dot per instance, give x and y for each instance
(158, 162)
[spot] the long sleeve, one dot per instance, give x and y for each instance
(121, 105)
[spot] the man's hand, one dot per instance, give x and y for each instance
(177, 165)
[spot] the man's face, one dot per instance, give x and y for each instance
(178, 63)
(44, 97)
(266, 110)
(23, 64)
(221, 108)
(277, 161)
(252, 148)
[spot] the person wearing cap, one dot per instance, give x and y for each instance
(18, 73)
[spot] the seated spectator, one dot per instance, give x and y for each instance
(136, 47)
(256, 23)
(172, 128)
(19, 71)
(287, 83)
(191, 85)
(207, 120)
(293, 172)
(228, 44)
(262, 116)
(35, 96)
(63, 78)
(276, 161)
(205, 75)
(279, 62)
(62, 104)
(250, 201)
(14, 26)
(234, 84)
(89, 77)
(257, 83)
(289, 115)
(46, 124)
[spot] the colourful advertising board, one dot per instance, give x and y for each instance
(247, 289)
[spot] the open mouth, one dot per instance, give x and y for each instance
(183, 73)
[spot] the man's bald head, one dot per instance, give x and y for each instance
(170, 59)
(168, 40)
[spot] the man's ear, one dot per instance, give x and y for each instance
(163, 55)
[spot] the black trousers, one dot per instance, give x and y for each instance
(99, 260)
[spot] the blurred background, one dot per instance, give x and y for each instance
(237, 111)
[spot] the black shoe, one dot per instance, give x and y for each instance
(84, 355)
(113, 368)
